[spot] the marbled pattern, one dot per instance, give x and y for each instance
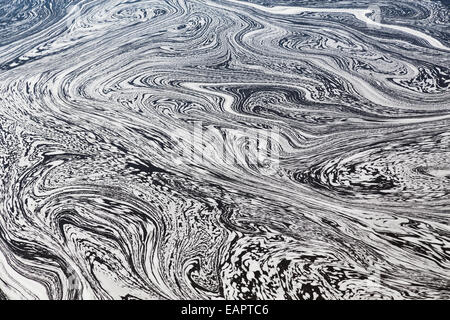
(98, 96)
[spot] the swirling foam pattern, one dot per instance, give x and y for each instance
(97, 99)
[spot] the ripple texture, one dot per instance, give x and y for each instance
(104, 195)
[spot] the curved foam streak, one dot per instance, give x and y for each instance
(361, 14)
